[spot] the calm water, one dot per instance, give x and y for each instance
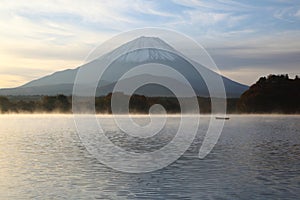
(256, 157)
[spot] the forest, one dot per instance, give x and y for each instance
(63, 104)
(272, 94)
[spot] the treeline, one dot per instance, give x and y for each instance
(31, 104)
(272, 94)
(63, 104)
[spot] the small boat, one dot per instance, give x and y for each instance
(223, 118)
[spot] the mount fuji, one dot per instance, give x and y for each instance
(139, 51)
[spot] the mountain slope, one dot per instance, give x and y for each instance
(134, 53)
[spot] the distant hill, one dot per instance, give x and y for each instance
(274, 94)
(150, 49)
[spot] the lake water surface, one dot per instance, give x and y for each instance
(256, 157)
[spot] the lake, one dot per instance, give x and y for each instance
(256, 157)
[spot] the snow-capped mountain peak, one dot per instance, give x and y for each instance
(142, 49)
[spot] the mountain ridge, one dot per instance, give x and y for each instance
(133, 53)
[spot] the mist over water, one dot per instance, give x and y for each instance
(257, 156)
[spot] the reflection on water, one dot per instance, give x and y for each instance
(256, 157)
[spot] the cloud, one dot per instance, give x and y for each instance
(297, 14)
(245, 60)
(248, 75)
(104, 11)
(208, 18)
(219, 5)
(8, 81)
(289, 14)
(56, 35)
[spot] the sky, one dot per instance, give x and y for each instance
(247, 38)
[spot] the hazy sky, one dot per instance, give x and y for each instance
(246, 38)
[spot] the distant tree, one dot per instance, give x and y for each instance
(262, 80)
(5, 104)
(138, 103)
(287, 76)
(48, 103)
(62, 103)
(271, 76)
(101, 105)
(25, 106)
